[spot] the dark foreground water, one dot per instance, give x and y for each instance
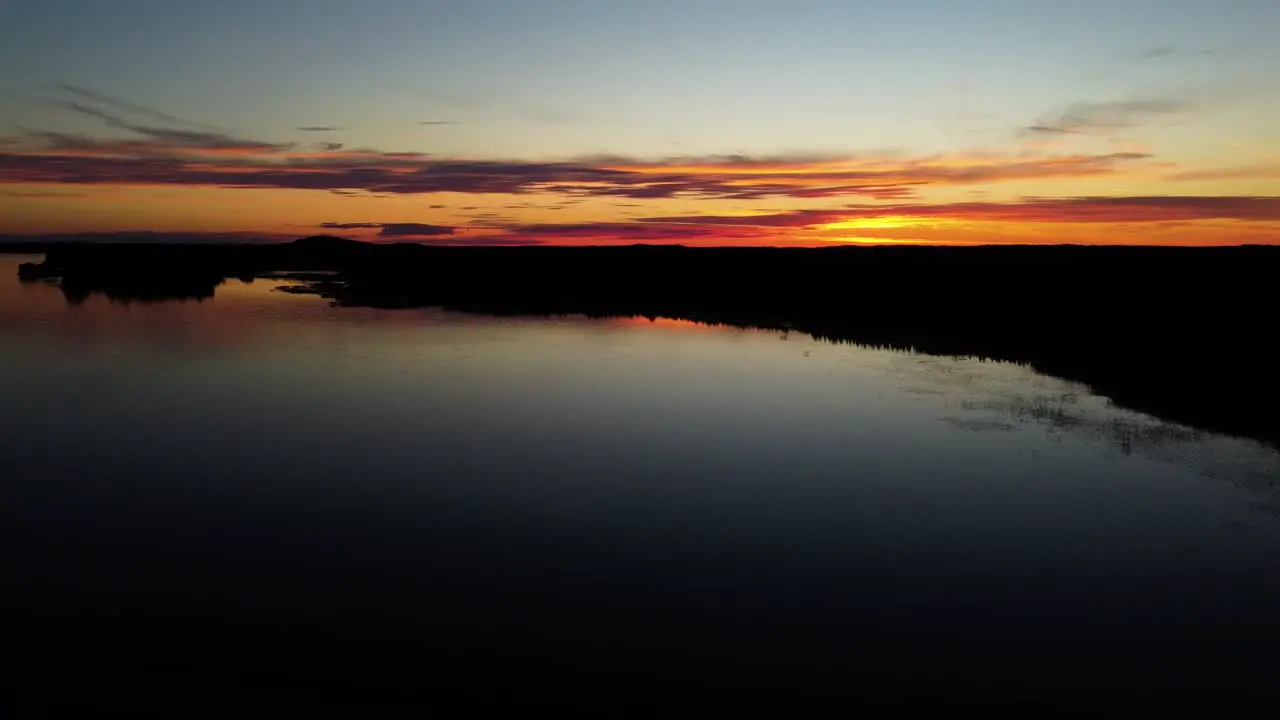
(261, 491)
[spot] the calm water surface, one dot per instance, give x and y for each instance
(671, 500)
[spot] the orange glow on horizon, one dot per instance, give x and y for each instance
(893, 221)
(286, 191)
(863, 240)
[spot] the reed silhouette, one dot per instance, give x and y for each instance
(1179, 333)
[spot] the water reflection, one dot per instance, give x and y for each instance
(969, 395)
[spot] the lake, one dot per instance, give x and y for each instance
(264, 487)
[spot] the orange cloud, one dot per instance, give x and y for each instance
(1157, 208)
(181, 178)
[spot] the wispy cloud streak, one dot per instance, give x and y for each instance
(1107, 117)
(128, 107)
(183, 156)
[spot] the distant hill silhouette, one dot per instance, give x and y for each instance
(1181, 333)
(326, 243)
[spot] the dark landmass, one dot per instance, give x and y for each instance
(268, 666)
(1179, 333)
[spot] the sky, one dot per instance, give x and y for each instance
(697, 122)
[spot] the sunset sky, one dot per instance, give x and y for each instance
(700, 122)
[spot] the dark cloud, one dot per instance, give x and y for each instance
(433, 234)
(393, 229)
(108, 118)
(128, 107)
(319, 128)
(417, 229)
(172, 138)
(349, 226)
(209, 141)
(1051, 129)
(330, 146)
(1108, 117)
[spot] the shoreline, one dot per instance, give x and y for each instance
(1178, 333)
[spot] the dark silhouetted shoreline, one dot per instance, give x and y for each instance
(1180, 333)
